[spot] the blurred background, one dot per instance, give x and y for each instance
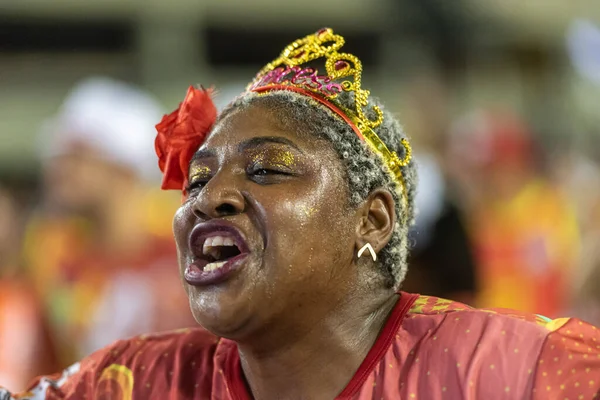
(501, 99)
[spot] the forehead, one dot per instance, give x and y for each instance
(254, 121)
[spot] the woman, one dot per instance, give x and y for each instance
(292, 246)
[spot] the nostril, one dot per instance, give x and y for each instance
(226, 209)
(199, 214)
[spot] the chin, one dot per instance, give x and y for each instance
(226, 306)
(219, 312)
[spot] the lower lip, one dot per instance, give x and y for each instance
(196, 276)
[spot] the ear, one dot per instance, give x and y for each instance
(377, 220)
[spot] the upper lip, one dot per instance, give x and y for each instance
(212, 228)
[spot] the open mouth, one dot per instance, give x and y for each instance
(216, 247)
(217, 251)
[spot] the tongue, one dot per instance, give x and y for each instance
(194, 269)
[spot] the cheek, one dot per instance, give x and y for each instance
(312, 226)
(181, 225)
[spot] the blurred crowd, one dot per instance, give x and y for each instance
(94, 260)
(494, 229)
(502, 222)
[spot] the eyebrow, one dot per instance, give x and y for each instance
(262, 140)
(248, 144)
(202, 154)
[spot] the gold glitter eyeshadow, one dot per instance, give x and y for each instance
(202, 170)
(282, 158)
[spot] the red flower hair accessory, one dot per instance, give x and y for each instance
(181, 133)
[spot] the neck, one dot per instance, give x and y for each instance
(318, 363)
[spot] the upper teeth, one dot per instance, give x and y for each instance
(214, 241)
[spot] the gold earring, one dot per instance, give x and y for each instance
(365, 247)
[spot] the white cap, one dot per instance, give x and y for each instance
(114, 118)
(583, 46)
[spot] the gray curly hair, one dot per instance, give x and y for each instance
(365, 171)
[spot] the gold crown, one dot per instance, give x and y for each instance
(289, 72)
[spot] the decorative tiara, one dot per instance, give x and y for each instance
(290, 72)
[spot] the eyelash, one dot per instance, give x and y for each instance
(266, 171)
(195, 185)
(260, 172)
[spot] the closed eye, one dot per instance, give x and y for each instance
(195, 186)
(259, 171)
(266, 176)
(266, 171)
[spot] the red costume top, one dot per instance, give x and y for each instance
(430, 348)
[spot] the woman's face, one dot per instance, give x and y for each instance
(266, 234)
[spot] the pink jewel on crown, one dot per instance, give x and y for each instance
(304, 77)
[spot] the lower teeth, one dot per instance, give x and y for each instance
(214, 265)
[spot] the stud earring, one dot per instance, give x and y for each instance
(370, 248)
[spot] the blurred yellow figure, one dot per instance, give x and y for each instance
(525, 233)
(24, 346)
(99, 245)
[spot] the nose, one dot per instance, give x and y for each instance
(219, 198)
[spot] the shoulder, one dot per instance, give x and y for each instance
(508, 349)
(503, 325)
(187, 339)
(155, 362)
(162, 353)
(444, 311)
(568, 362)
(456, 328)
